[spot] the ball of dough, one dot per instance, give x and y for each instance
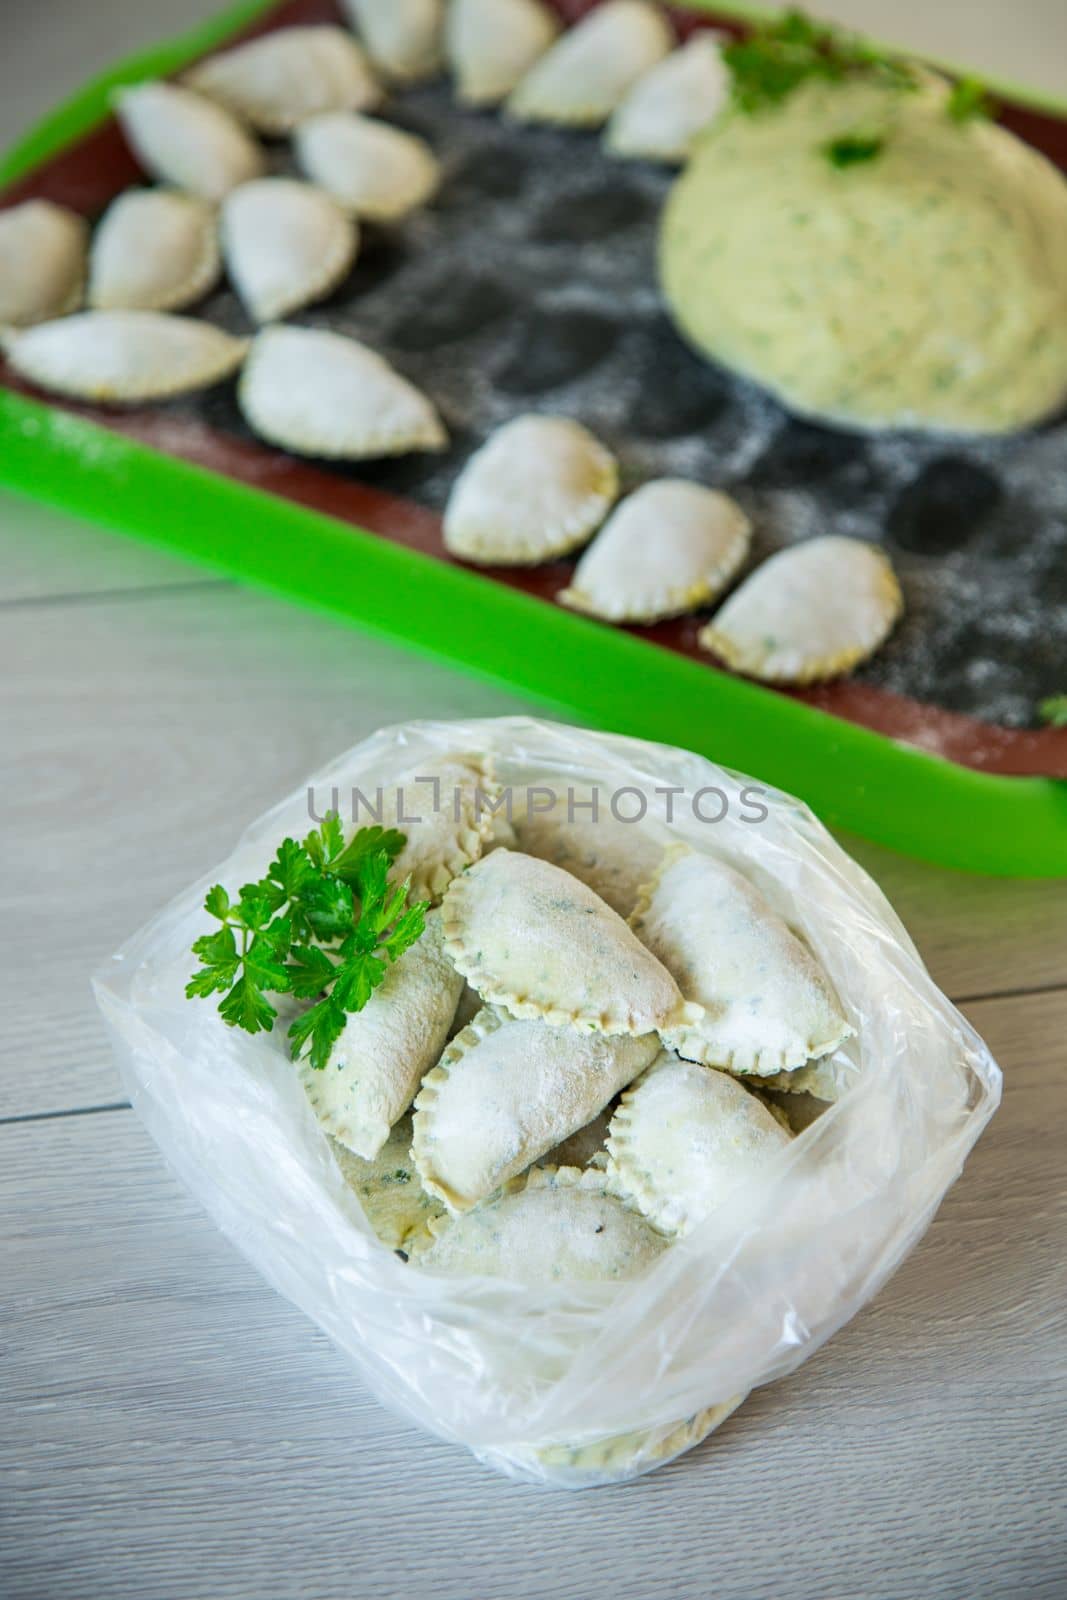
(923, 288)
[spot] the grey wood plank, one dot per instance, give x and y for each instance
(170, 1428)
(142, 739)
(45, 554)
(144, 734)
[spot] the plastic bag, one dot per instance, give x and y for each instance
(579, 1383)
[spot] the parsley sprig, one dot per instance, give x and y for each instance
(324, 925)
(777, 57)
(769, 63)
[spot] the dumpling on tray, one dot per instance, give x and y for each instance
(402, 37)
(154, 250)
(285, 244)
(319, 394)
(291, 73)
(812, 611)
(370, 168)
(669, 106)
(124, 356)
(182, 138)
(670, 547)
(42, 262)
(505, 1092)
(589, 69)
(491, 43)
(537, 488)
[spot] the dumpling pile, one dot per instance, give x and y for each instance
(548, 1085)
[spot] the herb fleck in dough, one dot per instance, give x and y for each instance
(533, 939)
(505, 1092)
(767, 1004)
(683, 1138)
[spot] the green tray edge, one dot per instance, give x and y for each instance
(855, 779)
(90, 104)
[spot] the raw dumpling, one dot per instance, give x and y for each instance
(505, 1091)
(667, 108)
(622, 1456)
(537, 488)
(184, 139)
(670, 547)
(42, 262)
(402, 37)
(614, 858)
(154, 250)
(491, 43)
(445, 807)
(553, 1225)
(586, 73)
(683, 1137)
(538, 942)
(767, 1004)
(274, 82)
(285, 244)
(393, 1200)
(377, 171)
(377, 1064)
(812, 611)
(320, 394)
(827, 1079)
(124, 355)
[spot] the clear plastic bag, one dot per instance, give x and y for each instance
(579, 1383)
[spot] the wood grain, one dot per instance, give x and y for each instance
(169, 1427)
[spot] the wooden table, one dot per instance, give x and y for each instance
(169, 1428)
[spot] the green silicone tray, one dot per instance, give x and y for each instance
(854, 778)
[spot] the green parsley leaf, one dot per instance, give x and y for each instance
(247, 1007)
(322, 1025)
(324, 924)
(367, 842)
(851, 148)
(217, 902)
(772, 61)
(310, 970)
(1053, 710)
